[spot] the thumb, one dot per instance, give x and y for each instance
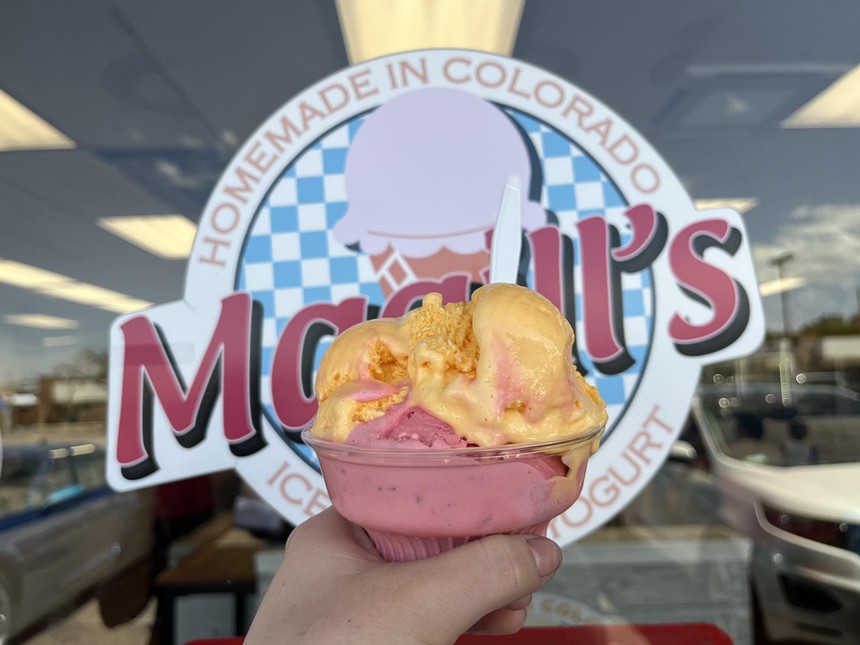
(479, 577)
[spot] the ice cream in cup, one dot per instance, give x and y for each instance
(455, 421)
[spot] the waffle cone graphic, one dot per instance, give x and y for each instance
(395, 270)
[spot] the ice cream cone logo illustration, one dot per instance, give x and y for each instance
(393, 269)
(424, 177)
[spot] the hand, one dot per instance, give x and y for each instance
(333, 587)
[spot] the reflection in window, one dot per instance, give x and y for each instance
(17, 478)
(89, 469)
(801, 440)
(39, 476)
(55, 480)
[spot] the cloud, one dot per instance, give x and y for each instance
(825, 241)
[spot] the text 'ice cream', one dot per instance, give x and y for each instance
(454, 421)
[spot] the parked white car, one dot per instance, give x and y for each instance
(62, 530)
(798, 498)
(794, 491)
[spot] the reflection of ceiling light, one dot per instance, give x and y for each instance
(838, 106)
(779, 285)
(20, 129)
(59, 341)
(40, 321)
(739, 204)
(373, 28)
(125, 305)
(167, 236)
(88, 294)
(29, 277)
(55, 285)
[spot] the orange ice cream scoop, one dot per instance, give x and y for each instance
(497, 369)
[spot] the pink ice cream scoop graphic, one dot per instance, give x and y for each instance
(424, 179)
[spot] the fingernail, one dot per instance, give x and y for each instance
(546, 554)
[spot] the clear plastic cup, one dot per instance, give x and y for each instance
(418, 503)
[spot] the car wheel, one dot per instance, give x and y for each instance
(7, 610)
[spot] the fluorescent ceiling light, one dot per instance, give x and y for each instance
(21, 129)
(167, 236)
(59, 341)
(779, 285)
(373, 28)
(125, 305)
(88, 294)
(739, 204)
(25, 276)
(40, 321)
(56, 285)
(838, 106)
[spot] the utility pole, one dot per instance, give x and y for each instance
(857, 311)
(778, 262)
(785, 346)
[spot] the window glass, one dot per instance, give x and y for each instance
(17, 479)
(89, 465)
(55, 481)
(117, 120)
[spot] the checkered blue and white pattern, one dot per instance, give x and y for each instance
(291, 258)
(574, 187)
